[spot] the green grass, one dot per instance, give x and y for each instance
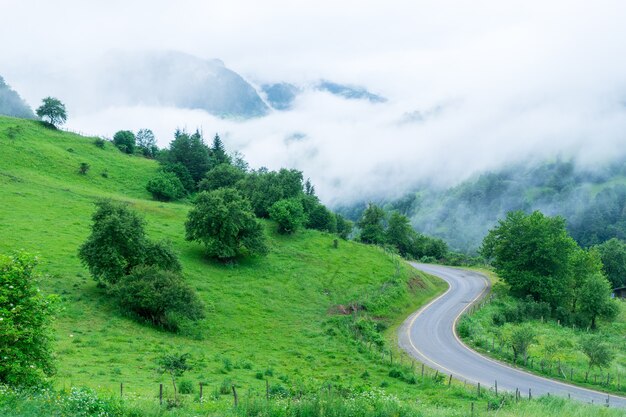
(556, 352)
(270, 317)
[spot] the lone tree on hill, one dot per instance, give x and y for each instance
(125, 141)
(53, 110)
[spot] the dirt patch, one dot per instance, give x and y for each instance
(345, 309)
(416, 283)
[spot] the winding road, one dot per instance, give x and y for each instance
(428, 335)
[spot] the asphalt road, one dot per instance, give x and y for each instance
(428, 335)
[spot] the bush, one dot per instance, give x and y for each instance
(288, 214)
(25, 338)
(160, 297)
(224, 222)
(124, 140)
(222, 176)
(99, 142)
(83, 168)
(185, 386)
(322, 219)
(165, 186)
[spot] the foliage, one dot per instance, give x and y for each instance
(124, 140)
(175, 365)
(99, 142)
(224, 222)
(320, 218)
(344, 226)
(372, 225)
(25, 315)
(598, 353)
(161, 297)
(400, 234)
(165, 186)
(218, 153)
(117, 244)
(263, 188)
(83, 168)
(288, 214)
(595, 300)
(53, 110)
(191, 152)
(222, 176)
(182, 173)
(613, 255)
(146, 142)
(532, 254)
(521, 338)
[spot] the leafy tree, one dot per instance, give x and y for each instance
(585, 264)
(532, 254)
(222, 176)
(83, 168)
(25, 315)
(183, 175)
(218, 152)
(288, 214)
(190, 151)
(147, 143)
(372, 225)
(613, 255)
(595, 300)
(344, 226)
(224, 222)
(521, 338)
(117, 244)
(175, 365)
(124, 140)
(322, 219)
(161, 255)
(165, 186)
(263, 188)
(400, 234)
(160, 297)
(598, 353)
(309, 189)
(53, 110)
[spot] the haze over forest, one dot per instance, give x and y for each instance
(376, 101)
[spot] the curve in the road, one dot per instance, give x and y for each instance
(429, 336)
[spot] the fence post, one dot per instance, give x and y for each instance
(235, 396)
(121, 389)
(479, 389)
(472, 408)
(436, 374)
(267, 389)
(201, 391)
(450, 380)
(496, 387)
(161, 394)
(530, 395)
(422, 371)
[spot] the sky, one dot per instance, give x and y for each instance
(497, 81)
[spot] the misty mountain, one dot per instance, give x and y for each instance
(592, 200)
(282, 95)
(11, 104)
(179, 80)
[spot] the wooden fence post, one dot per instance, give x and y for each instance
(478, 390)
(121, 389)
(422, 371)
(235, 396)
(161, 394)
(530, 395)
(472, 408)
(450, 380)
(496, 387)
(201, 392)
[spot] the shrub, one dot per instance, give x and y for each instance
(222, 176)
(288, 214)
(160, 297)
(99, 142)
(124, 140)
(165, 186)
(185, 386)
(83, 168)
(25, 339)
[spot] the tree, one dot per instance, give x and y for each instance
(263, 188)
(175, 365)
(400, 234)
(117, 244)
(288, 214)
(372, 225)
(598, 353)
(124, 140)
(147, 143)
(595, 300)
(218, 152)
(83, 168)
(25, 318)
(53, 110)
(190, 151)
(224, 222)
(532, 254)
(165, 186)
(613, 255)
(344, 227)
(322, 219)
(521, 338)
(222, 176)
(183, 175)
(161, 297)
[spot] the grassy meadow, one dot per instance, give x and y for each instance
(278, 320)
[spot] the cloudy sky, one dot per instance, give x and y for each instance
(497, 80)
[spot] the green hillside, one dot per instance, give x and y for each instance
(277, 317)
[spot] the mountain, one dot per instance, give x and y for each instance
(282, 95)
(11, 104)
(178, 80)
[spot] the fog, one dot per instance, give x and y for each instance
(496, 82)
